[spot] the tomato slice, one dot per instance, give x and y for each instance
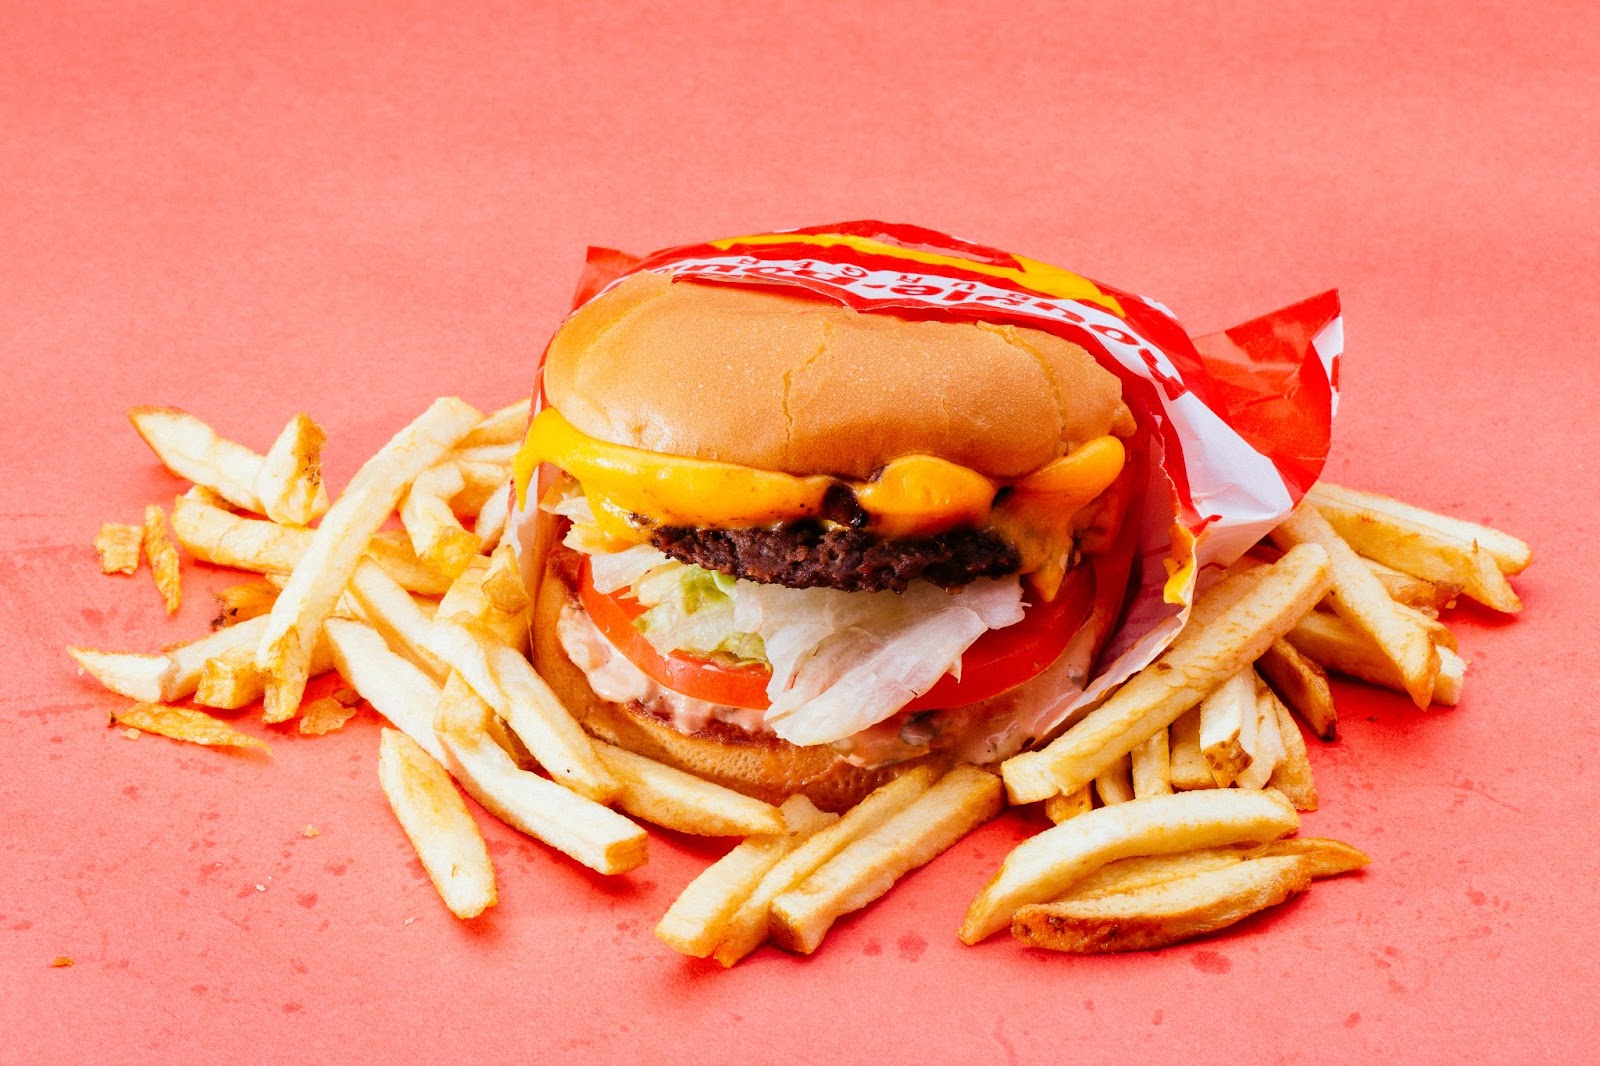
(999, 660)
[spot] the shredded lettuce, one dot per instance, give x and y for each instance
(841, 661)
(691, 609)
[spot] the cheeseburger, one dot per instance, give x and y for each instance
(793, 547)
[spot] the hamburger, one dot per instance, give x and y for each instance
(793, 547)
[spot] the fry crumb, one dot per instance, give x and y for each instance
(163, 557)
(408, 921)
(119, 547)
(61, 961)
(261, 888)
(347, 696)
(132, 733)
(311, 831)
(324, 716)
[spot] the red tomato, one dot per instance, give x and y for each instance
(999, 660)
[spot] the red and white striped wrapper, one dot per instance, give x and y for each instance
(1238, 423)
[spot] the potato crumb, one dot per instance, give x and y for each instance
(312, 831)
(61, 961)
(132, 733)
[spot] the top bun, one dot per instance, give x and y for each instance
(803, 385)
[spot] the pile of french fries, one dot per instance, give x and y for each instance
(1173, 799)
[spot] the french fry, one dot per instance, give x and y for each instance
(868, 867)
(490, 525)
(1452, 672)
(1267, 749)
(1422, 550)
(206, 497)
(1293, 775)
(504, 426)
(1419, 594)
(543, 723)
(119, 547)
(439, 539)
(1061, 807)
(1441, 634)
(595, 836)
(1328, 858)
(163, 558)
(698, 919)
(1303, 685)
(146, 678)
(681, 801)
(1163, 914)
(1199, 660)
(1188, 763)
(1511, 555)
(467, 647)
(1146, 871)
(289, 480)
(242, 602)
(435, 819)
(166, 677)
(1414, 591)
(389, 609)
(469, 595)
(1114, 784)
(338, 544)
(223, 538)
(396, 688)
(503, 587)
(749, 926)
(1152, 766)
(391, 550)
(509, 684)
(461, 711)
(324, 715)
(214, 535)
(185, 723)
(493, 454)
(479, 481)
(1045, 866)
(1227, 727)
(1335, 644)
(229, 679)
(193, 450)
(1359, 599)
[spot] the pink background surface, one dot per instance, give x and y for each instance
(354, 212)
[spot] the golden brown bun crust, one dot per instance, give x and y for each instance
(807, 386)
(757, 765)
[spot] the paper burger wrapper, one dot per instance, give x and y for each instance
(1234, 426)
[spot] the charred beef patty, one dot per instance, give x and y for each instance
(805, 555)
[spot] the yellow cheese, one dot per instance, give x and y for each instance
(916, 495)
(921, 494)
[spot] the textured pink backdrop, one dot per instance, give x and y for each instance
(352, 211)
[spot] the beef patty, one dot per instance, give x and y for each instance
(805, 555)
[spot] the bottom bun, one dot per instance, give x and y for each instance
(756, 764)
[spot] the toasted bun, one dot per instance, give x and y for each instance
(803, 385)
(756, 764)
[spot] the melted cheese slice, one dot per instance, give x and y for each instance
(633, 490)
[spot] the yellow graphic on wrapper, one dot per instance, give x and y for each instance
(1040, 277)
